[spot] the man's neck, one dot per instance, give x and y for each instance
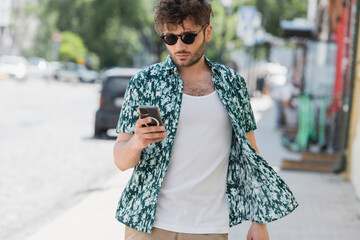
(194, 71)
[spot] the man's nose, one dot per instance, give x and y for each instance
(180, 45)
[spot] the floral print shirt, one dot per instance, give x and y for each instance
(255, 192)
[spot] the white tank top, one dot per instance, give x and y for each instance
(192, 197)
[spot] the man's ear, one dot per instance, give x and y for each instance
(208, 32)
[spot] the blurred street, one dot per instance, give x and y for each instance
(60, 183)
(48, 157)
(64, 70)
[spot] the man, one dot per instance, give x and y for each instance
(200, 173)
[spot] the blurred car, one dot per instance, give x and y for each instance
(114, 84)
(38, 67)
(53, 66)
(86, 75)
(13, 66)
(66, 72)
(72, 72)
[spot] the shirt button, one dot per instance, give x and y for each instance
(173, 130)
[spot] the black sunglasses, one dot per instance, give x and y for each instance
(187, 38)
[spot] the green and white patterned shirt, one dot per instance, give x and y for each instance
(254, 190)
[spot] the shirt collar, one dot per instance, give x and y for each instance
(169, 65)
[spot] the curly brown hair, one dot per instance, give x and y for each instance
(174, 12)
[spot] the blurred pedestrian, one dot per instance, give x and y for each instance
(200, 173)
(285, 98)
(260, 83)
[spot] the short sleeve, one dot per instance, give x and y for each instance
(128, 114)
(247, 115)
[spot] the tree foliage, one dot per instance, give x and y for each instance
(72, 47)
(108, 28)
(273, 11)
(119, 31)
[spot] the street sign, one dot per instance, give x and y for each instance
(246, 15)
(249, 26)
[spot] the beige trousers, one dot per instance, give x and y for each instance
(159, 234)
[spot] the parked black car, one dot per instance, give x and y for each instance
(114, 83)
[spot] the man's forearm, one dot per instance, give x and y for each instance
(258, 231)
(126, 155)
(128, 147)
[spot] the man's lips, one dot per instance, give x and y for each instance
(182, 55)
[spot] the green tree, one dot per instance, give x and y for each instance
(72, 47)
(118, 30)
(125, 26)
(43, 43)
(273, 11)
(224, 32)
(103, 25)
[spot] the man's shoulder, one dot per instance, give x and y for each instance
(224, 70)
(230, 76)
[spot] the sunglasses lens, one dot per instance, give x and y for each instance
(188, 38)
(170, 39)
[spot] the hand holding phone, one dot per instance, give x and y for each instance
(149, 128)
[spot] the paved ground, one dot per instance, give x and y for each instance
(328, 207)
(48, 157)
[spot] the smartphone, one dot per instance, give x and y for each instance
(153, 112)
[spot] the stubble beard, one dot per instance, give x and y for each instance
(196, 57)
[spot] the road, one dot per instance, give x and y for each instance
(49, 159)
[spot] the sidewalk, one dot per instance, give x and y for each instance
(92, 218)
(328, 207)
